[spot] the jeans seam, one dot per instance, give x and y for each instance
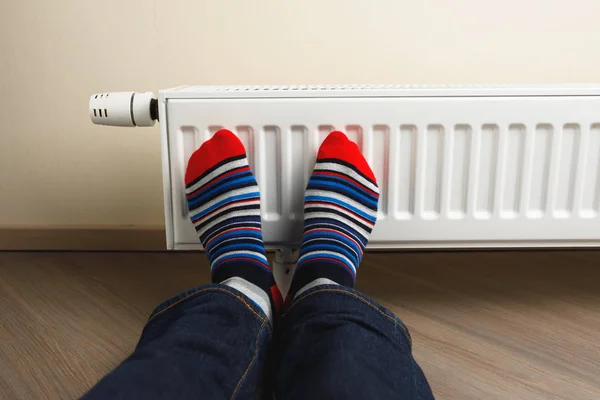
(404, 330)
(251, 361)
(193, 294)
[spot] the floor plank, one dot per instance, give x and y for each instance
(485, 325)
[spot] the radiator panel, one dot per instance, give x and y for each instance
(455, 171)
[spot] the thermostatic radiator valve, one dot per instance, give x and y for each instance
(124, 109)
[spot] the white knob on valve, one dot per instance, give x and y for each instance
(123, 109)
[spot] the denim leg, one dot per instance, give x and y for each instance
(210, 343)
(335, 343)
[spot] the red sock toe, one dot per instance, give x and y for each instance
(222, 146)
(336, 145)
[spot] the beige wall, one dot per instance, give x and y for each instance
(56, 168)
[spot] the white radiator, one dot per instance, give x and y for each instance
(461, 166)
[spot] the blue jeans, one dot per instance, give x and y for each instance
(212, 342)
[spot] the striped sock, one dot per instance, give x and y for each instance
(340, 210)
(224, 204)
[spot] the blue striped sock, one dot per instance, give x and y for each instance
(340, 211)
(224, 205)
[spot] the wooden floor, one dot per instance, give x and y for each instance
(485, 325)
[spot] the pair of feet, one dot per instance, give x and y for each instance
(340, 210)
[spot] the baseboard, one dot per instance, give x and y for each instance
(107, 238)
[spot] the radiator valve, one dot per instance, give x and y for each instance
(124, 109)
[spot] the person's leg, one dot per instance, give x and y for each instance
(210, 342)
(334, 342)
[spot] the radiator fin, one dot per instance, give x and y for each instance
(514, 157)
(246, 135)
(269, 177)
(431, 163)
(540, 170)
(190, 141)
(567, 170)
(405, 162)
(380, 156)
(299, 170)
(486, 171)
(591, 191)
(458, 174)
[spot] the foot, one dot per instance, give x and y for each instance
(224, 206)
(340, 210)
